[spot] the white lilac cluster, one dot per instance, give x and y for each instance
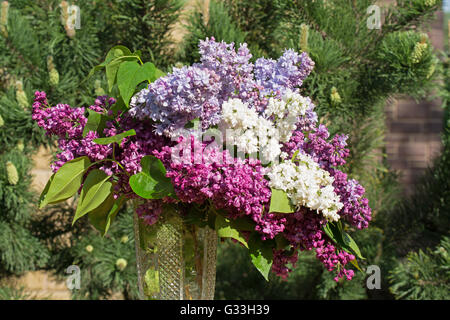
(251, 133)
(307, 185)
(286, 112)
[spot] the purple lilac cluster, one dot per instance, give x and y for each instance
(60, 120)
(198, 91)
(356, 208)
(303, 229)
(304, 232)
(174, 100)
(68, 123)
(315, 143)
(235, 185)
(330, 155)
(289, 71)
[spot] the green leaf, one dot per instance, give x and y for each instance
(158, 74)
(65, 182)
(45, 191)
(102, 217)
(96, 189)
(151, 182)
(131, 74)
(96, 122)
(112, 62)
(225, 229)
(332, 231)
(335, 232)
(261, 254)
(115, 139)
(98, 216)
(351, 245)
(355, 263)
(280, 202)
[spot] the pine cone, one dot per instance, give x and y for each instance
(13, 175)
(121, 264)
(54, 77)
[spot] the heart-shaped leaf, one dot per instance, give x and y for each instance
(96, 189)
(151, 182)
(131, 74)
(65, 182)
(113, 59)
(225, 229)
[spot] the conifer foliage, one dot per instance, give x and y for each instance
(51, 45)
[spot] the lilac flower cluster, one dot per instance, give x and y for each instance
(235, 185)
(330, 155)
(356, 208)
(209, 175)
(68, 124)
(198, 91)
(304, 231)
(60, 120)
(288, 71)
(186, 94)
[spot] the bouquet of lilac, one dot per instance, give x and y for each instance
(225, 141)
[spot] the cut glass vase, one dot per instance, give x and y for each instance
(175, 260)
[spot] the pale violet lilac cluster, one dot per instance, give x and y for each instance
(198, 91)
(288, 72)
(261, 102)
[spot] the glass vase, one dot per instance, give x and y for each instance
(175, 260)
